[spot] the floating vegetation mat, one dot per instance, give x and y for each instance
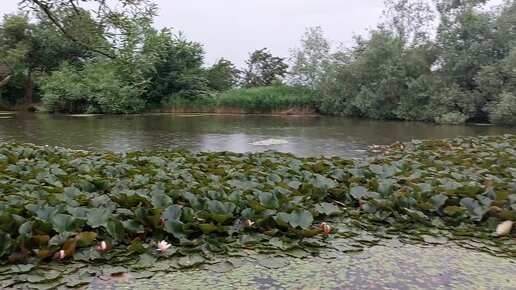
(379, 267)
(71, 218)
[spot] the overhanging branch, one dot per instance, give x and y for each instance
(56, 22)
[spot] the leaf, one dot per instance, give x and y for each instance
(207, 228)
(22, 268)
(223, 267)
(190, 261)
(172, 212)
(98, 217)
(58, 240)
(64, 223)
(5, 243)
(417, 215)
(475, 210)
(133, 227)
(282, 219)
(217, 207)
(359, 192)
(85, 239)
(248, 213)
(160, 199)
(116, 230)
(301, 218)
(175, 228)
(438, 200)
(26, 228)
(273, 263)
(453, 210)
(274, 178)
(268, 200)
(147, 260)
(277, 242)
(327, 208)
(434, 240)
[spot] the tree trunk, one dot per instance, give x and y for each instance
(29, 90)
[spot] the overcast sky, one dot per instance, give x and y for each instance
(234, 28)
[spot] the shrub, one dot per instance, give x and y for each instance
(503, 111)
(98, 87)
(451, 118)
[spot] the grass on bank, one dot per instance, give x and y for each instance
(248, 100)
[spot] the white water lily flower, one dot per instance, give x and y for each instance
(504, 228)
(163, 246)
(248, 223)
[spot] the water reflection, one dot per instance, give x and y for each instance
(307, 136)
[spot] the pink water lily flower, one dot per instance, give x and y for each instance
(325, 227)
(163, 246)
(62, 254)
(102, 246)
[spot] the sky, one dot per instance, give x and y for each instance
(234, 28)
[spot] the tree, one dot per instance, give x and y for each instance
(32, 49)
(310, 62)
(178, 61)
(263, 69)
(222, 75)
(411, 21)
(119, 22)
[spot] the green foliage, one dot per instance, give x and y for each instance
(374, 78)
(267, 99)
(96, 88)
(263, 69)
(206, 103)
(310, 62)
(200, 202)
(503, 111)
(399, 72)
(222, 76)
(177, 70)
(31, 50)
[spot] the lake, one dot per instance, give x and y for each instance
(301, 135)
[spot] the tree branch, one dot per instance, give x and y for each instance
(55, 21)
(5, 80)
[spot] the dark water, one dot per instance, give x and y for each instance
(305, 135)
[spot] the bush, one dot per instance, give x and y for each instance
(451, 118)
(97, 88)
(503, 111)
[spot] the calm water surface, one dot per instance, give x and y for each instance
(306, 136)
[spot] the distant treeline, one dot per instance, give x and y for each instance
(445, 62)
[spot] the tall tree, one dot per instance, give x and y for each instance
(263, 69)
(311, 60)
(177, 62)
(222, 75)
